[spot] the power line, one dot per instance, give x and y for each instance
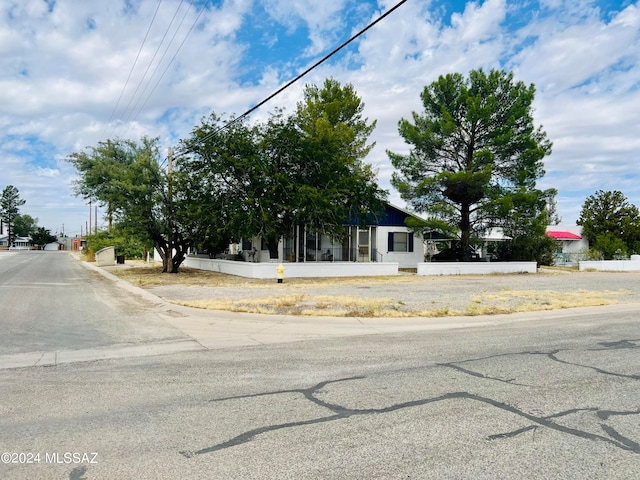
(281, 89)
(126, 114)
(115, 108)
(204, 7)
(174, 57)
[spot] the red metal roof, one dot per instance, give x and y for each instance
(563, 235)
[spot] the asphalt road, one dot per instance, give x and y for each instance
(548, 397)
(49, 301)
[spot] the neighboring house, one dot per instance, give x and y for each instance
(571, 244)
(19, 243)
(386, 239)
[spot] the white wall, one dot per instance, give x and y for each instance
(106, 257)
(475, 268)
(294, 270)
(612, 265)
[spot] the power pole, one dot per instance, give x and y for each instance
(170, 211)
(89, 230)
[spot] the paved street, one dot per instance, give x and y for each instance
(49, 301)
(548, 395)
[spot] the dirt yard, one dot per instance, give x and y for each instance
(405, 295)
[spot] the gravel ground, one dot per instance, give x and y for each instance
(434, 296)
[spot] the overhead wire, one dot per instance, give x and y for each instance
(126, 114)
(204, 6)
(126, 83)
(178, 151)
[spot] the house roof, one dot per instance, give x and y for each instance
(16, 238)
(561, 235)
(495, 235)
(436, 236)
(391, 217)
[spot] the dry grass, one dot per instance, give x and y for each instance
(511, 301)
(337, 306)
(346, 306)
(150, 275)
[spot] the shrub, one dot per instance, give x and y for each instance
(128, 245)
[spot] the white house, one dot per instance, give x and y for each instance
(572, 244)
(387, 240)
(19, 243)
(377, 249)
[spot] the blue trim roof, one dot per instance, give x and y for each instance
(392, 217)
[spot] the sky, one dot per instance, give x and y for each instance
(75, 73)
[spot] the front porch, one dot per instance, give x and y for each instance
(358, 244)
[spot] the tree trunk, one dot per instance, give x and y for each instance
(177, 260)
(465, 231)
(171, 264)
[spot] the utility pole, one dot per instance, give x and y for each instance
(89, 230)
(170, 211)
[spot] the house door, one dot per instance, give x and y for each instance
(363, 245)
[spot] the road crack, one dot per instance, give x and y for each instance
(341, 412)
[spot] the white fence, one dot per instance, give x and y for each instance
(475, 268)
(612, 265)
(294, 270)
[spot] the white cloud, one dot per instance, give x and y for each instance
(321, 18)
(47, 172)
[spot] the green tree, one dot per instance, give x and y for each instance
(339, 185)
(475, 155)
(42, 236)
(25, 225)
(301, 169)
(10, 203)
(128, 178)
(334, 113)
(130, 244)
(104, 170)
(524, 217)
(607, 216)
(219, 168)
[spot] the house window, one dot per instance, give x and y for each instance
(400, 242)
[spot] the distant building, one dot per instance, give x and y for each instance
(571, 244)
(19, 243)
